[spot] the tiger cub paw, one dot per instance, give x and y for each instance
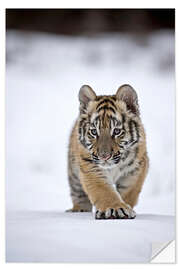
(86, 207)
(72, 210)
(120, 213)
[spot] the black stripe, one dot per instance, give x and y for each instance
(115, 121)
(98, 98)
(137, 130)
(120, 186)
(81, 122)
(103, 101)
(76, 188)
(130, 124)
(133, 171)
(116, 161)
(96, 169)
(77, 194)
(83, 109)
(96, 120)
(84, 143)
(95, 156)
(90, 146)
(74, 176)
(103, 117)
(82, 131)
(131, 162)
(126, 154)
(82, 126)
(81, 195)
(100, 123)
(108, 101)
(90, 136)
(110, 122)
(113, 97)
(88, 160)
(136, 151)
(112, 103)
(79, 130)
(123, 119)
(110, 108)
(102, 108)
(116, 155)
(106, 108)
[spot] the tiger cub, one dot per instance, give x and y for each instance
(107, 159)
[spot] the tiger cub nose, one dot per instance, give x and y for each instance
(105, 156)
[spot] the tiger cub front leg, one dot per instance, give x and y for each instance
(108, 202)
(130, 186)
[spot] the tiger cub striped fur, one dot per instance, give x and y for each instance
(107, 159)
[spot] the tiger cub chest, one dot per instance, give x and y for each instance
(121, 172)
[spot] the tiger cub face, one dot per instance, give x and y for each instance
(109, 126)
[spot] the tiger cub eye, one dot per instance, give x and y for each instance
(94, 131)
(116, 131)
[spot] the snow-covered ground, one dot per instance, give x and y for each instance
(48, 236)
(43, 77)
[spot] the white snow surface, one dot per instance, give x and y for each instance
(47, 236)
(44, 74)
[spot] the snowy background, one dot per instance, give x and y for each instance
(44, 74)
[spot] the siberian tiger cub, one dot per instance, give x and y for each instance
(107, 159)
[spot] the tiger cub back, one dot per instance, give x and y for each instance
(107, 159)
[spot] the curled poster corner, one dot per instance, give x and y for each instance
(163, 252)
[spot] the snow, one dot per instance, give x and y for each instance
(77, 237)
(43, 77)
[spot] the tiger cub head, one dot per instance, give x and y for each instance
(109, 126)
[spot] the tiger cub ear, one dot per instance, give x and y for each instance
(86, 94)
(127, 94)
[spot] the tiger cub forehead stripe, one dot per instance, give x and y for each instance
(115, 121)
(106, 107)
(106, 101)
